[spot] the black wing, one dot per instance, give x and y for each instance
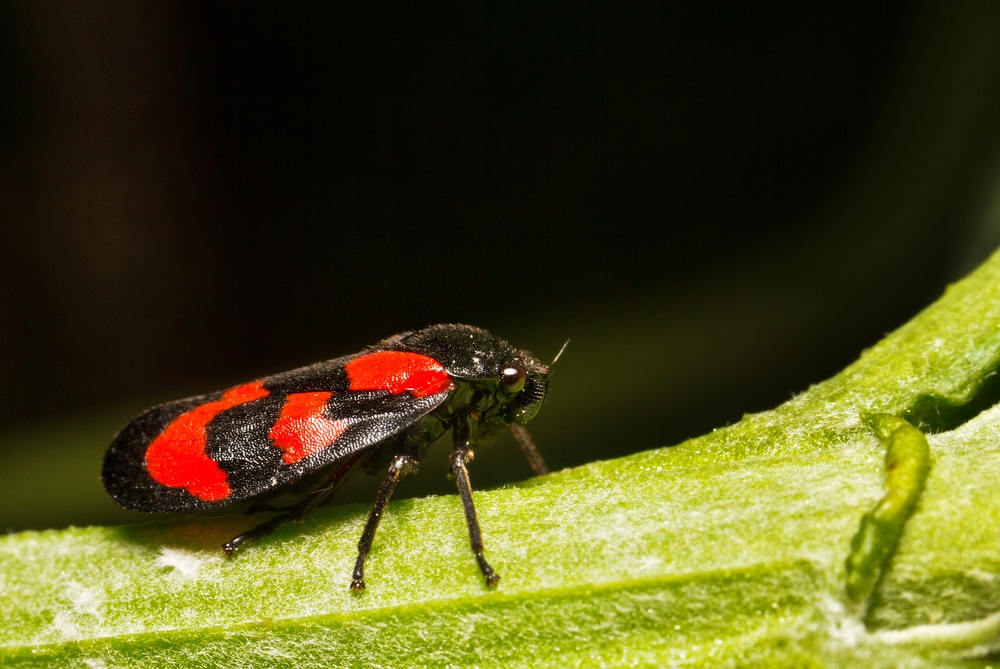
(214, 450)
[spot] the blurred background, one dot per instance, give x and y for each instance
(718, 205)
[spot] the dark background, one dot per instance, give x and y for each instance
(718, 205)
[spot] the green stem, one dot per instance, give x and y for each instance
(725, 550)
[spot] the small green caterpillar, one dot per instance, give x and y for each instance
(907, 463)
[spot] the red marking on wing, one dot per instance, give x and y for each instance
(302, 429)
(398, 372)
(177, 458)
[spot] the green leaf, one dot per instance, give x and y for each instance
(726, 549)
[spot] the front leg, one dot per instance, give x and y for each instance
(461, 454)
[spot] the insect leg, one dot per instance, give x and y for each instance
(530, 450)
(301, 509)
(400, 466)
(459, 456)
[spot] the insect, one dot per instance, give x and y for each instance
(381, 407)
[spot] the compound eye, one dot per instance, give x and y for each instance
(514, 378)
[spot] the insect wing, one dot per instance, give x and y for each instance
(218, 449)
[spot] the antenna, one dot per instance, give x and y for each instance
(560, 352)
